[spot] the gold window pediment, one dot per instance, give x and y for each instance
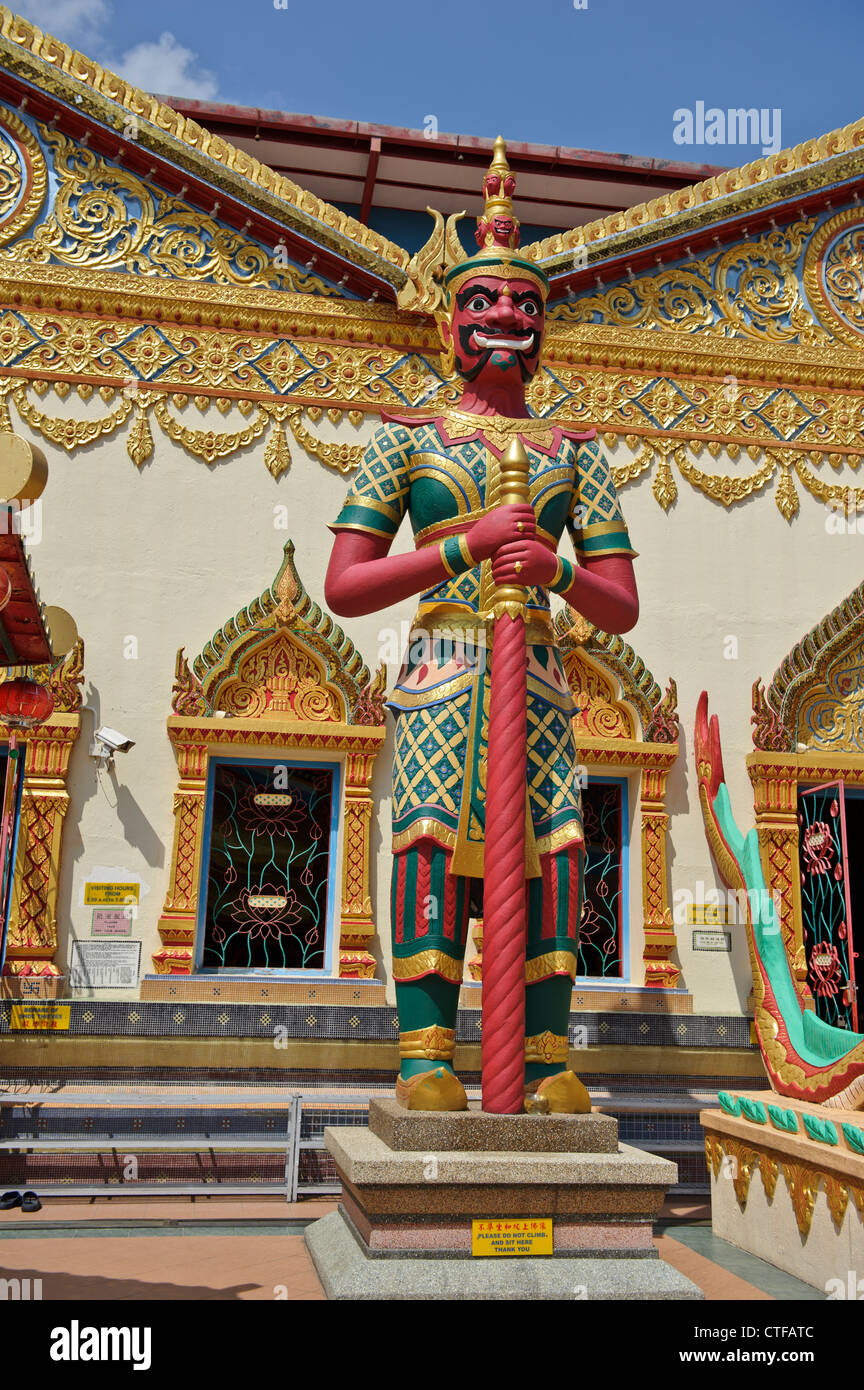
(277, 676)
(815, 702)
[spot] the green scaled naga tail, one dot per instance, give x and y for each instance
(804, 1057)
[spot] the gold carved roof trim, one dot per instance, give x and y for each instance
(828, 160)
(54, 67)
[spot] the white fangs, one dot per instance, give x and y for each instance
(520, 343)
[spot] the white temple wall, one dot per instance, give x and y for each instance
(150, 561)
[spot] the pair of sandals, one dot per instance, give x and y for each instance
(27, 1201)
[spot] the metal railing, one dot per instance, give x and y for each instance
(122, 1145)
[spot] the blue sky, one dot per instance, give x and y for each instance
(607, 76)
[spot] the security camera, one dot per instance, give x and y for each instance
(107, 742)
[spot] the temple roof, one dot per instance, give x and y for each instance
(83, 101)
(380, 170)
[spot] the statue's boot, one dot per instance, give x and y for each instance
(563, 1093)
(432, 1090)
(547, 1013)
(427, 1013)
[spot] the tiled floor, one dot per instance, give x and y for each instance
(103, 1249)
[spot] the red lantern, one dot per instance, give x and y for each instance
(24, 703)
(5, 588)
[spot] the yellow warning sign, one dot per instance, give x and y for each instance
(524, 1236)
(44, 1015)
(110, 894)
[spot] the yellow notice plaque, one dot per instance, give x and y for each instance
(526, 1236)
(110, 894)
(43, 1015)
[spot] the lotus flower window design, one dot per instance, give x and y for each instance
(268, 867)
(600, 952)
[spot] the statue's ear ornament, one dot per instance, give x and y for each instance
(423, 291)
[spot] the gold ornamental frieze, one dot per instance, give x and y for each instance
(734, 373)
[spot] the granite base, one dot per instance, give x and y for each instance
(347, 1272)
(404, 1228)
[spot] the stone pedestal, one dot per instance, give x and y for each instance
(787, 1184)
(413, 1183)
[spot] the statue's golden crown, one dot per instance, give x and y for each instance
(442, 265)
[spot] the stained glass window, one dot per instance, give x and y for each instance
(600, 930)
(826, 902)
(267, 869)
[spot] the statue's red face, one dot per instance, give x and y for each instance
(497, 329)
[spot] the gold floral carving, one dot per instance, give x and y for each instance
(669, 400)
(713, 1153)
(69, 433)
(833, 276)
(769, 1169)
(54, 66)
(187, 697)
(814, 696)
(748, 290)
(660, 939)
(209, 445)
(280, 680)
(32, 934)
(23, 177)
(106, 217)
(813, 164)
(735, 1159)
(677, 400)
(343, 457)
(279, 675)
(600, 714)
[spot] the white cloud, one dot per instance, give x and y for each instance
(73, 21)
(169, 68)
(164, 66)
